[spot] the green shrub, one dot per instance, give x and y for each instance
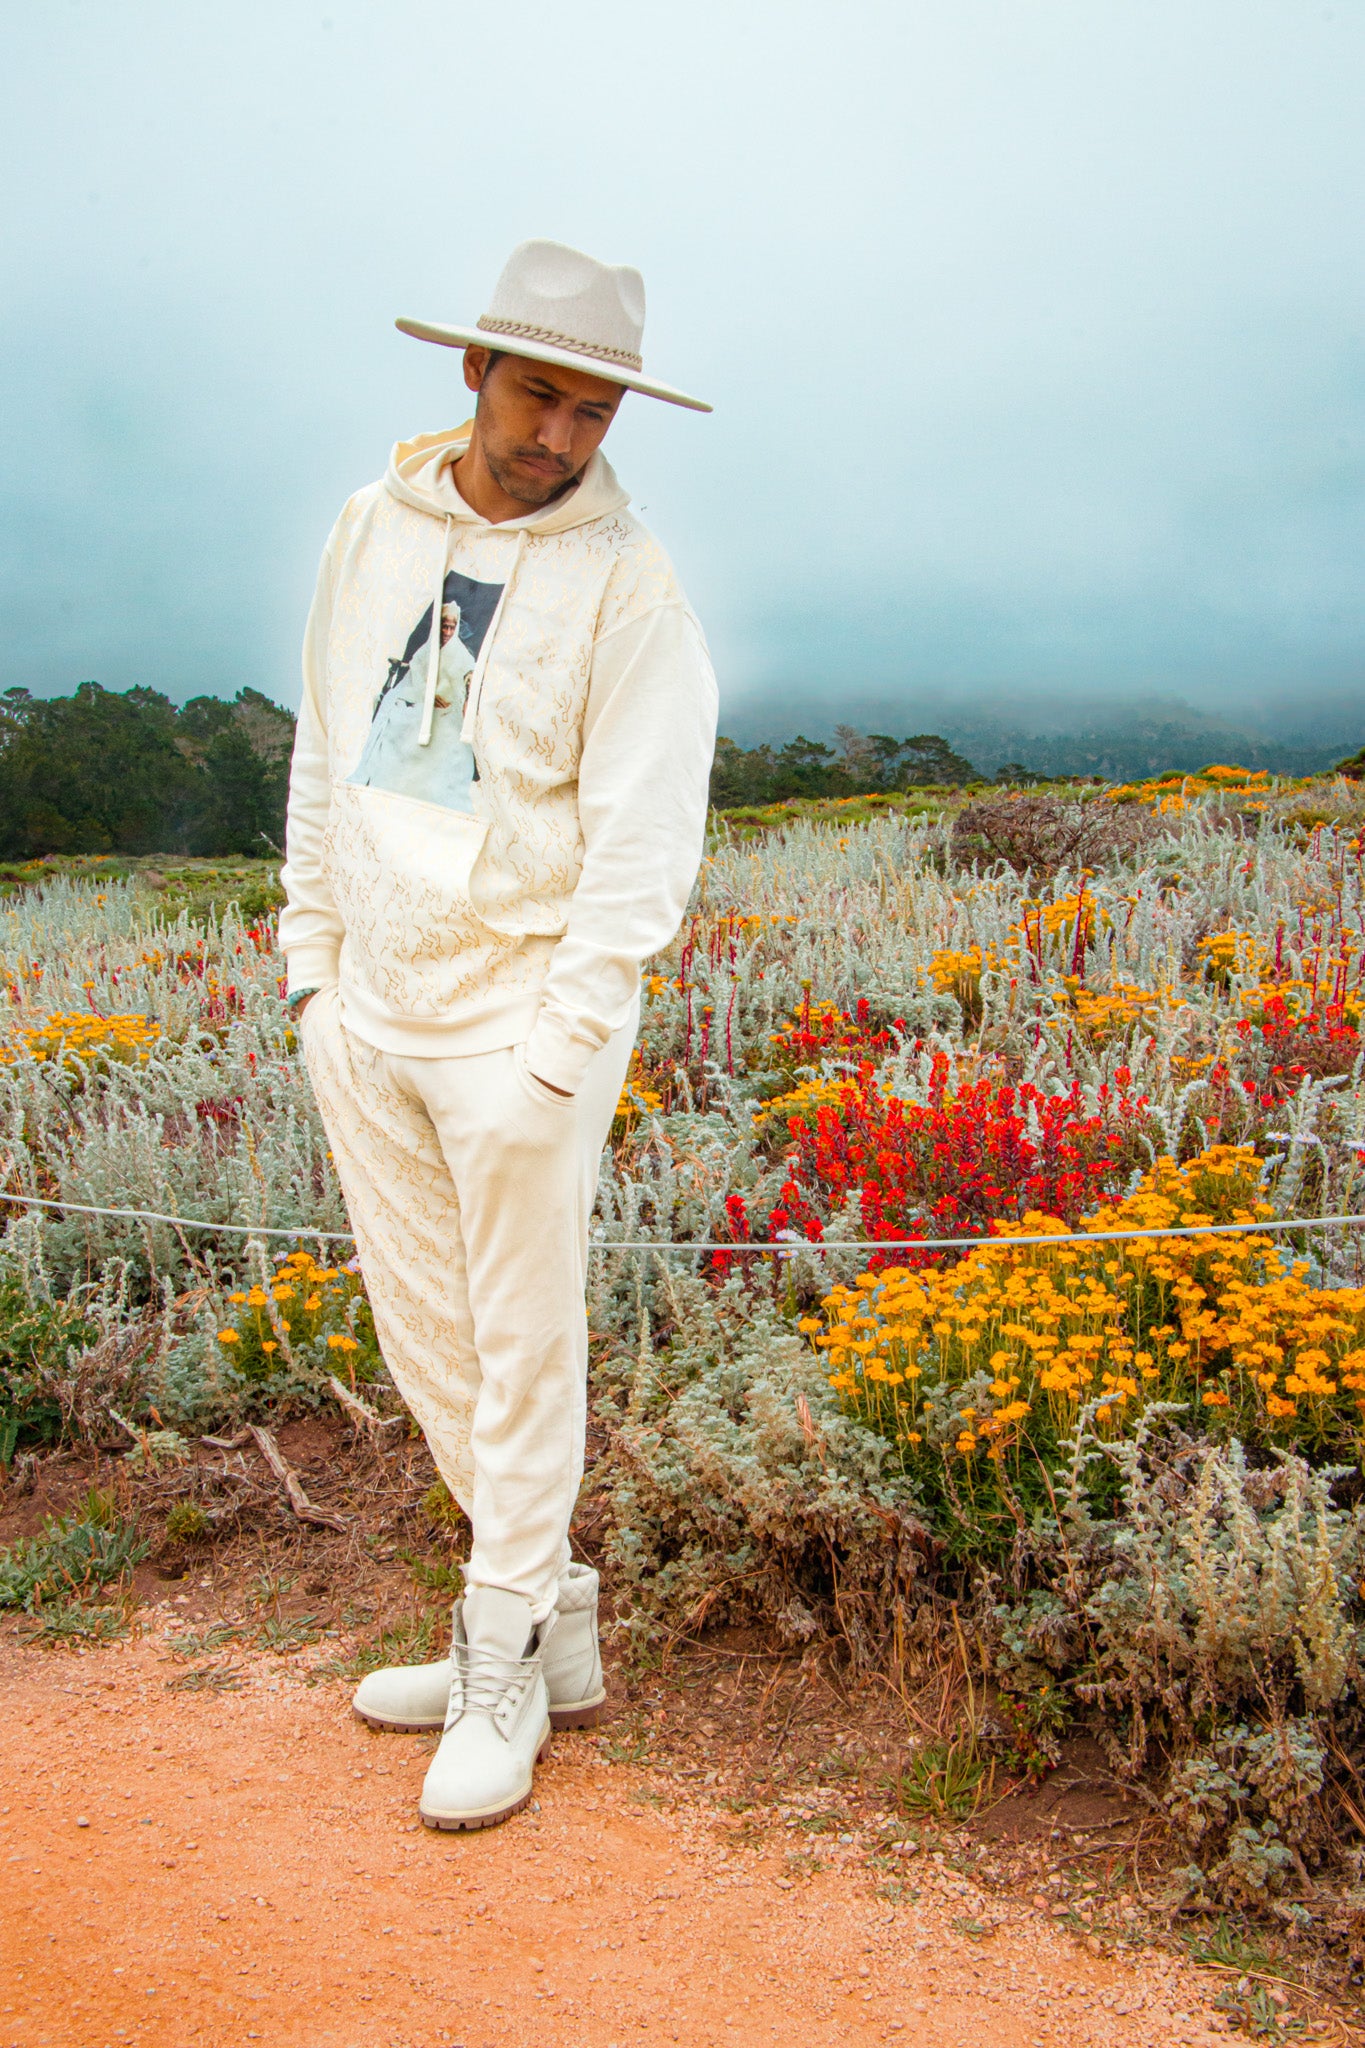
(441, 1509)
(186, 1522)
(737, 1491)
(70, 1558)
(1212, 1628)
(35, 1336)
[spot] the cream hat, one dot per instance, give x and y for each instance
(557, 305)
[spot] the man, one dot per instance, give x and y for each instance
(496, 812)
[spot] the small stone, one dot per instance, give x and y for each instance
(81, 1821)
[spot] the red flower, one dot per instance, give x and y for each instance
(989, 1152)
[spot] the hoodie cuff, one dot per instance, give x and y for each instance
(312, 967)
(556, 1053)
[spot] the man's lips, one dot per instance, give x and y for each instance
(541, 465)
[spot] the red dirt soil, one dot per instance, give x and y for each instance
(219, 1868)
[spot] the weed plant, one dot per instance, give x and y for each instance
(71, 1559)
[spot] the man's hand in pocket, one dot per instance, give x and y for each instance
(565, 1092)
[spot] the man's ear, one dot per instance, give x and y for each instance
(476, 367)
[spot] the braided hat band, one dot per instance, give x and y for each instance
(628, 358)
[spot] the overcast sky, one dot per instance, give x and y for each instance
(1034, 327)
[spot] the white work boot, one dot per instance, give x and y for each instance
(573, 1658)
(498, 1720)
(414, 1697)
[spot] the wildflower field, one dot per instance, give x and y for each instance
(1133, 1463)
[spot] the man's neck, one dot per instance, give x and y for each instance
(483, 494)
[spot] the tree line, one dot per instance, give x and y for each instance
(861, 764)
(109, 771)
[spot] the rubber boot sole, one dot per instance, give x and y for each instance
(585, 1714)
(581, 1714)
(487, 1817)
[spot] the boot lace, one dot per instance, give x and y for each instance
(486, 1679)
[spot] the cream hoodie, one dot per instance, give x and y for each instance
(515, 897)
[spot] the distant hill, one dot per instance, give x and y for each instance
(1120, 742)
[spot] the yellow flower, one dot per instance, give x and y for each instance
(228, 1337)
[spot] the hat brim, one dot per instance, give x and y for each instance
(545, 352)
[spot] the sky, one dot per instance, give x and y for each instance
(1035, 329)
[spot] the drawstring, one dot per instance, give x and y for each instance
(438, 598)
(476, 680)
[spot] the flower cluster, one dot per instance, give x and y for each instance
(1231, 1327)
(636, 1099)
(1178, 790)
(823, 1036)
(1113, 1011)
(304, 1313)
(822, 1031)
(81, 1038)
(961, 1160)
(1286, 1047)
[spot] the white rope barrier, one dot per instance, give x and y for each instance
(784, 1248)
(793, 1247)
(180, 1222)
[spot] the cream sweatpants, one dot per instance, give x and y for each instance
(470, 1186)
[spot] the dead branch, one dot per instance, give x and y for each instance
(290, 1481)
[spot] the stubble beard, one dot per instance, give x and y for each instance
(524, 490)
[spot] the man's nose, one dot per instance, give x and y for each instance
(556, 430)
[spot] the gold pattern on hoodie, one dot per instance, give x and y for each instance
(443, 921)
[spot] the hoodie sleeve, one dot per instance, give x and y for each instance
(310, 923)
(648, 739)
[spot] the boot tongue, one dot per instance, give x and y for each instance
(498, 1621)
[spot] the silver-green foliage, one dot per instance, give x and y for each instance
(1214, 1623)
(736, 1489)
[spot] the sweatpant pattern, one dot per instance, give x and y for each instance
(470, 1189)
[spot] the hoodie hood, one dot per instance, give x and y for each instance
(419, 475)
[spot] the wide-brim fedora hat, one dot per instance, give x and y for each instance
(556, 305)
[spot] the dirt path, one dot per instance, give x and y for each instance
(182, 1868)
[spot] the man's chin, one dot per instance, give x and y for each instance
(526, 488)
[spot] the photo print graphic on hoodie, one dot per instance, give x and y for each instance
(444, 771)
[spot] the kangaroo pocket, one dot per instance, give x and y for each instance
(400, 873)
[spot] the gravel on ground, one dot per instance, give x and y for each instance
(223, 1866)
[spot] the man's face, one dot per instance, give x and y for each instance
(538, 425)
(449, 621)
